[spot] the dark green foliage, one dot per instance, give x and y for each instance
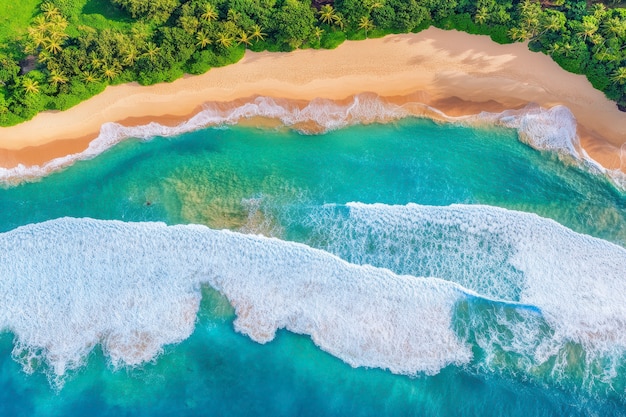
(332, 40)
(8, 69)
(294, 22)
(353, 10)
(407, 14)
(384, 16)
(598, 76)
(575, 9)
(499, 34)
(74, 48)
(202, 61)
(157, 10)
(464, 23)
(440, 8)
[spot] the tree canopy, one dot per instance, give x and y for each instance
(61, 58)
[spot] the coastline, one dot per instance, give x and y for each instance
(456, 73)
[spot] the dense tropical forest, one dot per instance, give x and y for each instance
(56, 53)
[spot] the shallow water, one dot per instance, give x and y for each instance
(525, 359)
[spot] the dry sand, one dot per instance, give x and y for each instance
(453, 71)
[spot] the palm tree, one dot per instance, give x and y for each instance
(530, 12)
(599, 10)
(619, 76)
(589, 26)
(49, 9)
(95, 61)
(30, 86)
(203, 39)
(130, 53)
(596, 39)
(519, 34)
(111, 71)
(338, 20)
(553, 23)
(530, 24)
(40, 24)
(366, 24)
(318, 32)
(209, 13)
(615, 27)
(233, 16)
(554, 49)
(327, 14)
(30, 48)
(89, 77)
(44, 56)
(502, 16)
(57, 77)
(243, 38)
(376, 5)
(224, 40)
(606, 54)
(567, 48)
(139, 33)
(525, 7)
(257, 34)
(189, 24)
(58, 23)
(53, 45)
(37, 37)
(482, 14)
(152, 51)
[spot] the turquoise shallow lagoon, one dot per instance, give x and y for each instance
(520, 353)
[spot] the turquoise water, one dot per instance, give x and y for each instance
(298, 188)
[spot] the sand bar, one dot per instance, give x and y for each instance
(453, 71)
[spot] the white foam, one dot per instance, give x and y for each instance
(577, 281)
(69, 284)
(327, 114)
(551, 129)
(575, 328)
(421, 241)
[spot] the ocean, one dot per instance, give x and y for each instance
(399, 268)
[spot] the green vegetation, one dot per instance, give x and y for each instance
(55, 53)
(15, 16)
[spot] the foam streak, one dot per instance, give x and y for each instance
(70, 284)
(551, 129)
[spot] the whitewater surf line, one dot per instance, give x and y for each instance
(70, 284)
(551, 129)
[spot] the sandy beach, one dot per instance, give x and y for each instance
(454, 72)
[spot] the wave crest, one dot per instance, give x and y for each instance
(70, 284)
(577, 281)
(551, 129)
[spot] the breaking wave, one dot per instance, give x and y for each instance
(69, 284)
(515, 291)
(576, 334)
(551, 129)
(577, 281)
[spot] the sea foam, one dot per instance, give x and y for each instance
(576, 281)
(69, 284)
(551, 129)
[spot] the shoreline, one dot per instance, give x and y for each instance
(454, 72)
